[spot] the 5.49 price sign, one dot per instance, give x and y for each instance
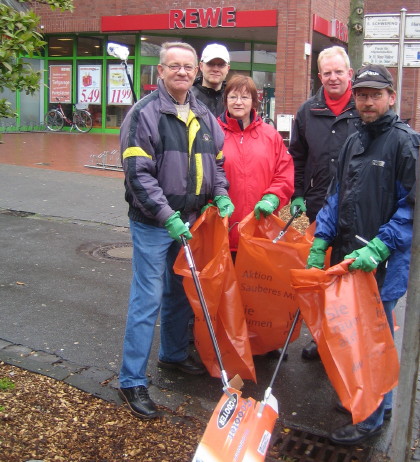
(119, 92)
(89, 84)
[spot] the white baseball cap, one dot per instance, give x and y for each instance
(213, 51)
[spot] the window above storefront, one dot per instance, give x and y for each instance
(60, 46)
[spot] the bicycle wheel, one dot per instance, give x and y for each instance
(82, 120)
(269, 121)
(54, 120)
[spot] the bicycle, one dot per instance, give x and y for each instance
(263, 112)
(81, 119)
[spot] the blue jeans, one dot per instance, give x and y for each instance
(154, 287)
(377, 418)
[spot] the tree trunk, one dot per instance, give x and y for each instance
(356, 33)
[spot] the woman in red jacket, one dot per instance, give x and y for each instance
(257, 164)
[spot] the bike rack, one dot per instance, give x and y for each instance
(106, 160)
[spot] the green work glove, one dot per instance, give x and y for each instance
(176, 227)
(205, 207)
(266, 205)
(225, 206)
(369, 256)
(297, 203)
(316, 256)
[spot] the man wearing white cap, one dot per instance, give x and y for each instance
(210, 85)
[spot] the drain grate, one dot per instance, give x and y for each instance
(298, 445)
(121, 251)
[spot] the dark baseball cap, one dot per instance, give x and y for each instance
(373, 76)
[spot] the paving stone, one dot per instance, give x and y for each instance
(4, 344)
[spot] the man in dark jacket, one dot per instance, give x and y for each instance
(321, 127)
(171, 148)
(371, 200)
(210, 85)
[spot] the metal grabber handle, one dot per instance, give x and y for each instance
(191, 264)
(283, 231)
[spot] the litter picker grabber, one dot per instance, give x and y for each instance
(283, 231)
(235, 432)
(283, 354)
(191, 264)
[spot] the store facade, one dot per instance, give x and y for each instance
(276, 44)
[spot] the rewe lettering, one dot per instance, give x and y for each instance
(193, 18)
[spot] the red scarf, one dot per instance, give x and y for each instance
(337, 106)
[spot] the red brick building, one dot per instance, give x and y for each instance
(275, 41)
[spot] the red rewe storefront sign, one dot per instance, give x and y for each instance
(191, 18)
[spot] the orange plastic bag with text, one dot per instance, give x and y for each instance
(210, 250)
(263, 273)
(344, 313)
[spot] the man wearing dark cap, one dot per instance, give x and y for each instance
(368, 214)
(210, 85)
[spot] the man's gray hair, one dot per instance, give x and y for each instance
(168, 45)
(333, 51)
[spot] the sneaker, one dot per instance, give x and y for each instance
(310, 351)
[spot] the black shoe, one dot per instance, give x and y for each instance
(310, 351)
(189, 366)
(350, 435)
(275, 354)
(139, 402)
(340, 408)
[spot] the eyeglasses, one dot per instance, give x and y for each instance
(233, 98)
(177, 67)
(365, 96)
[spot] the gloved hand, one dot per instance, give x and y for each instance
(266, 205)
(297, 202)
(316, 256)
(369, 257)
(176, 227)
(205, 207)
(225, 206)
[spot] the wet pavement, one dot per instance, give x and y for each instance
(64, 283)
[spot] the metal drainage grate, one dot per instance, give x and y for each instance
(121, 251)
(297, 445)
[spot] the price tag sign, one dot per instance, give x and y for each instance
(89, 84)
(119, 91)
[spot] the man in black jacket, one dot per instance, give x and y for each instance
(321, 126)
(210, 85)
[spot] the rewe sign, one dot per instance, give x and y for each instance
(193, 18)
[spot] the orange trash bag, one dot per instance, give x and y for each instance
(263, 272)
(210, 247)
(344, 313)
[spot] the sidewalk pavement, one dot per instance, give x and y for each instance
(65, 279)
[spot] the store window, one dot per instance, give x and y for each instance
(128, 41)
(118, 91)
(148, 80)
(89, 88)
(89, 46)
(150, 45)
(59, 88)
(265, 53)
(60, 46)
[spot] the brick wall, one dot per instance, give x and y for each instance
(294, 29)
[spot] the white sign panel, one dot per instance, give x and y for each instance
(412, 26)
(412, 54)
(381, 53)
(382, 27)
(89, 84)
(119, 91)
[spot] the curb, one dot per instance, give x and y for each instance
(100, 382)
